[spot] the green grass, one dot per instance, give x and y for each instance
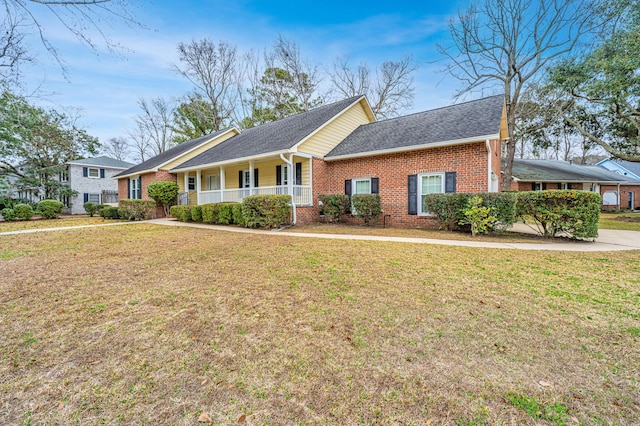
(618, 221)
(158, 325)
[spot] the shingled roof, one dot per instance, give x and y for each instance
(102, 161)
(276, 136)
(475, 119)
(169, 155)
(561, 171)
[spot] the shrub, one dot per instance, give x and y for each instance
(210, 213)
(575, 213)
(196, 213)
(367, 207)
(225, 213)
(164, 193)
(8, 214)
(50, 209)
(480, 217)
(334, 205)
(23, 211)
(447, 208)
(266, 211)
(238, 217)
(176, 211)
(135, 209)
(185, 214)
(110, 212)
(503, 207)
(90, 208)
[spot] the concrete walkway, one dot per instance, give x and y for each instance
(609, 240)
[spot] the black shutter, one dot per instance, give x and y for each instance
(140, 187)
(450, 182)
(412, 189)
(347, 187)
(559, 185)
(544, 186)
(86, 197)
(85, 172)
(374, 185)
(101, 173)
(255, 178)
(278, 175)
(128, 188)
(533, 186)
(568, 186)
(240, 180)
(298, 174)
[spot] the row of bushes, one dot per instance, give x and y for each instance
(367, 207)
(574, 213)
(255, 211)
(47, 209)
(128, 209)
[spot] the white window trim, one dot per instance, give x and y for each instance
(99, 201)
(353, 185)
(133, 187)
(246, 178)
(89, 173)
(191, 181)
(419, 195)
(284, 175)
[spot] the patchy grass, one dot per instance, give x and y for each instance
(160, 325)
(620, 221)
(62, 222)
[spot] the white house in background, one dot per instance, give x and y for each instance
(93, 179)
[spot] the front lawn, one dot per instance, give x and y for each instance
(62, 222)
(165, 325)
(620, 221)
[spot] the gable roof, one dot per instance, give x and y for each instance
(465, 122)
(274, 137)
(154, 163)
(102, 161)
(629, 166)
(561, 171)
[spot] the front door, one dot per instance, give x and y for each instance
(631, 200)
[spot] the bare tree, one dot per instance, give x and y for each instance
(509, 43)
(141, 143)
(153, 126)
(117, 148)
(13, 52)
(213, 69)
(389, 88)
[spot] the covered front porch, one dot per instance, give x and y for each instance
(233, 182)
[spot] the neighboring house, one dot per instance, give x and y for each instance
(92, 178)
(617, 191)
(340, 148)
(626, 168)
(133, 182)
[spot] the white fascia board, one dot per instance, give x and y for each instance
(95, 166)
(231, 161)
(196, 147)
(475, 139)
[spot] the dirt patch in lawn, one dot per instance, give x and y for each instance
(162, 325)
(628, 218)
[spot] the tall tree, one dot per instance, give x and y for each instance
(36, 143)
(117, 148)
(509, 43)
(153, 125)
(389, 88)
(213, 70)
(605, 85)
(194, 117)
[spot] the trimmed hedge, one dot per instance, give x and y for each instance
(135, 209)
(23, 211)
(196, 213)
(238, 217)
(334, 205)
(367, 207)
(225, 213)
(110, 212)
(210, 213)
(266, 211)
(8, 214)
(575, 213)
(50, 209)
(449, 208)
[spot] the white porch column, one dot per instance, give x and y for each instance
(223, 184)
(251, 177)
(292, 175)
(186, 182)
(198, 185)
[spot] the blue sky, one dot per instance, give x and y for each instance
(106, 88)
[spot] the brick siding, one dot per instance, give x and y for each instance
(147, 178)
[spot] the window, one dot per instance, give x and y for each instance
(285, 175)
(212, 183)
(192, 184)
(361, 186)
(134, 188)
(64, 175)
(94, 173)
(246, 179)
(432, 183)
(94, 198)
(64, 199)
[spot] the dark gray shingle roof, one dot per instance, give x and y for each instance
(633, 167)
(276, 136)
(170, 154)
(561, 171)
(102, 161)
(466, 120)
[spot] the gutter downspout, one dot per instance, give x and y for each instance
(488, 143)
(290, 183)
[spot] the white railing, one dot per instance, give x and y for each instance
(302, 195)
(183, 198)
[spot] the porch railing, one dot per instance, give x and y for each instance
(183, 198)
(302, 195)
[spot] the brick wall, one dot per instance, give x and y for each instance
(625, 195)
(469, 161)
(147, 178)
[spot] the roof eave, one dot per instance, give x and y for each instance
(141, 172)
(197, 146)
(474, 139)
(230, 161)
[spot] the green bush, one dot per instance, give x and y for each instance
(8, 214)
(480, 217)
(185, 215)
(334, 205)
(176, 211)
(225, 213)
(110, 212)
(238, 217)
(575, 213)
(367, 207)
(136, 209)
(50, 209)
(90, 208)
(196, 213)
(210, 213)
(23, 211)
(266, 211)
(447, 208)
(503, 207)
(164, 193)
